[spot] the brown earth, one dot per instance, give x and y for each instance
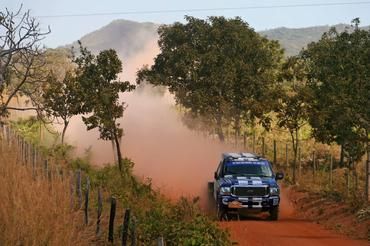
(290, 229)
(334, 215)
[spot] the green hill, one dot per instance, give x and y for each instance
(294, 39)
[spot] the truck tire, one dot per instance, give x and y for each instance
(274, 213)
(222, 213)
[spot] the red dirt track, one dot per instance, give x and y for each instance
(288, 230)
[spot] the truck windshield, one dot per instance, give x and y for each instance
(262, 170)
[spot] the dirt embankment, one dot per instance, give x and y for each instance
(336, 216)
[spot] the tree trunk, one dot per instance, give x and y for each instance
(341, 162)
(367, 188)
(237, 130)
(219, 130)
(118, 149)
(294, 136)
(66, 123)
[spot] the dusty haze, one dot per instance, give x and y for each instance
(178, 160)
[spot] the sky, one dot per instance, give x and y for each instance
(260, 14)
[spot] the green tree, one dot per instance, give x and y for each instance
(292, 109)
(100, 88)
(339, 76)
(62, 99)
(219, 69)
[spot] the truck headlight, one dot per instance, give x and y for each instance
(274, 191)
(225, 191)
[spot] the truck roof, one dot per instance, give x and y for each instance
(244, 156)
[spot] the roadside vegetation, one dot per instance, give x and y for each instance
(229, 81)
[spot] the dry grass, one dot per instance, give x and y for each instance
(34, 210)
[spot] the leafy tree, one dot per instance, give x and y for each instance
(100, 88)
(62, 99)
(219, 69)
(292, 109)
(21, 58)
(339, 76)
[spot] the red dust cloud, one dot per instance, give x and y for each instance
(177, 160)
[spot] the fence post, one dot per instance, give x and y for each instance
(111, 219)
(367, 164)
(160, 241)
(254, 142)
(22, 151)
(78, 188)
(314, 165)
(87, 200)
(25, 153)
(126, 221)
(275, 152)
(46, 167)
(331, 171)
(100, 210)
(367, 178)
(286, 156)
(133, 231)
(71, 185)
(347, 181)
(299, 163)
(33, 157)
(245, 141)
(263, 146)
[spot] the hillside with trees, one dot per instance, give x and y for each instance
(129, 37)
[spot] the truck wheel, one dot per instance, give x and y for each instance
(274, 213)
(221, 213)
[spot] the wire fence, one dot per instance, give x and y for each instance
(317, 168)
(82, 196)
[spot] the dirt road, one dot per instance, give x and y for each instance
(289, 230)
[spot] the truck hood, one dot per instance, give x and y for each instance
(229, 180)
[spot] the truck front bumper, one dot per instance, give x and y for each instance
(250, 202)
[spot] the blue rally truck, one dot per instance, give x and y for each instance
(245, 182)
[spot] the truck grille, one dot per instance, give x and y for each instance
(249, 191)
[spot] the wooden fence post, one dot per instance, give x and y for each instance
(367, 167)
(126, 221)
(347, 173)
(100, 210)
(71, 184)
(245, 141)
(78, 188)
(286, 156)
(46, 169)
(314, 165)
(331, 172)
(160, 241)
(33, 153)
(254, 142)
(367, 178)
(299, 163)
(25, 152)
(275, 159)
(133, 231)
(87, 200)
(111, 219)
(22, 152)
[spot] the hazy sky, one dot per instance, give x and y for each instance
(66, 29)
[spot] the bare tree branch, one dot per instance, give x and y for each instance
(21, 58)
